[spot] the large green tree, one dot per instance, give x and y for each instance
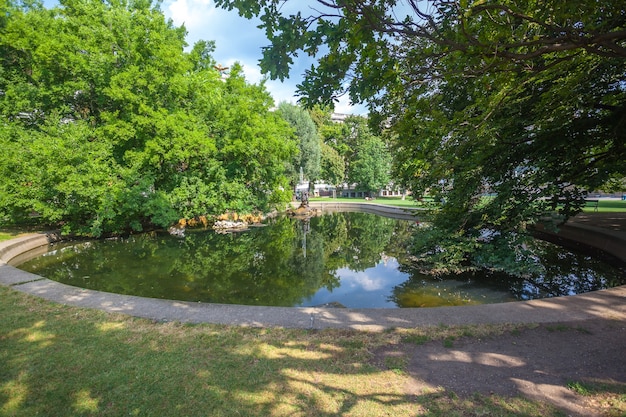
(521, 100)
(333, 166)
(371, 166)
(332, 162)
(108, 125)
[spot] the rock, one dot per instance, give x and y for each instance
(176, 231)
(228, 225)
(304, 212)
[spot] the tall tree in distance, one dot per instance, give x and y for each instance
(333, 166)
(333, 163)
(371, 167)
(309, 158)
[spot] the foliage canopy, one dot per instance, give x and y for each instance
(524, 101)
(108, 125)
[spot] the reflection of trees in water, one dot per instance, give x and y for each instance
(267, 265)
(357, 240)
(273, 266)
(566, 273)
(524, 267)
(261, 266)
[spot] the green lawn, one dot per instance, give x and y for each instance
(65, 361)
(6, 234)
(390, 201)
(607, 206)
(604, 206)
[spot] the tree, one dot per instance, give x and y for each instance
(367, 40)
(370, 169)
(109, 126)
(332, 163)
(524, 101)
(307, 138)
(332, 166)
(615, 184)
(255, 145)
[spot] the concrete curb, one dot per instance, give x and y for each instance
(12, 249)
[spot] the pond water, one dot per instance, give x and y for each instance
(355, 260)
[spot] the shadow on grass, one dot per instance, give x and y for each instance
(59, 360)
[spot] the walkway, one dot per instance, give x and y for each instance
(606, 304)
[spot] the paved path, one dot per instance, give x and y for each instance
(610, 221)
(606, 304)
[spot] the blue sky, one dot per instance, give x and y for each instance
(239, 39)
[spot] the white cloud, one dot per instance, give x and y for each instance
(373, 279)
(239, 39)
(362, 280)
(192, 13)
(344, 106)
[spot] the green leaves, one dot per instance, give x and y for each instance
(306, 135)
(109, 126)
(371, 167)
(519, 101)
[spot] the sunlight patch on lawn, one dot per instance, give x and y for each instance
(110, 326)
(34, 334)
(84, 402)
(15, 392)
(351, 394)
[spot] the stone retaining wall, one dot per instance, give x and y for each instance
(11, 249)
(400, 213)
(608, 241)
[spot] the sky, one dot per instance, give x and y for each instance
(239, 39)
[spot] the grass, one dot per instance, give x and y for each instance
(61, 360)
(10, 234)
(607, 206)
(604, 206)
(608, 397)
(389, 201)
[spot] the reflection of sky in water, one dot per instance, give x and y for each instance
(362, 289)
(261, 267)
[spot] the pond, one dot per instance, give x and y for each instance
(355, 260)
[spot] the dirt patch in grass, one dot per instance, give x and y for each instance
(546, 364)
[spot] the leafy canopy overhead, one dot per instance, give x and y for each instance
(503, 110)
(523, 99)
(361, 42)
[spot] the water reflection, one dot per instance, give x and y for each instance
(342, 259)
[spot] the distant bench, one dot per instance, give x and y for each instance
(594, 202)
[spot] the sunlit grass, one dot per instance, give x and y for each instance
(5, 235)
(608, 396)
(606, 206)
(408, 202)
(60, 360)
